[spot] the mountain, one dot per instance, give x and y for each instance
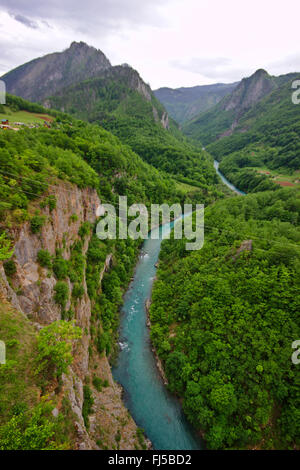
(55, 271)
(222, 119)
(183, 104)
(82, 82)
(264, 150)
(47, 75)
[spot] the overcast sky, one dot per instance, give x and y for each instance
(170, 42)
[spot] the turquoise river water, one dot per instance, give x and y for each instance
(225, 180)
(153, 408)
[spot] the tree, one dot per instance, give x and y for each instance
(55, 344)
(5, 248)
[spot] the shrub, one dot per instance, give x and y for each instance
(61, 294)
(60, 268)
(49, 201)
(87, 407)
(55, 344)
(10, 267)
(73, 218)
(84, 230)
(5, 245)
(44, 259)
(98, 383)
(78, 291)
(36, 223)
(34, 430)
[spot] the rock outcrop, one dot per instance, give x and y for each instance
(31, 291)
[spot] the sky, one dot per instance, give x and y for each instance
(171, 43)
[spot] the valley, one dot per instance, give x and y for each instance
(85, 321)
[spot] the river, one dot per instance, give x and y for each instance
(153, 408)
(225, 180)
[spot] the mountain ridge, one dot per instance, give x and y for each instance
(185, 103)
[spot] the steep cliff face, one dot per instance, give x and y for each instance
(31, 291)
(249, 92)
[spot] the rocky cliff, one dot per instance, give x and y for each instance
(31, 290)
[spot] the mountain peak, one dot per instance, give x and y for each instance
(249, 91)
(43, 77)
(261, 72)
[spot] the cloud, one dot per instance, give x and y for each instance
(99, 16)
(25, 21)
(290, 63)
(220, 68)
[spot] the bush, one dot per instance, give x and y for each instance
(10, 267)
(61, 294)
(73, 218)
(50, 201)
(78, 291)
(36, 223)
(60, 268)
(84, 230)
(33, 430)
(44, 259)
(87, 407)
(55, 344)
(98, 383)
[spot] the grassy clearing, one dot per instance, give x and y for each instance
(18, 388)
(23, 116)
(187, 188)
(283, 179)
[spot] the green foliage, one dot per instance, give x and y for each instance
(267, 136)
(44, 258)
(10, 267)
(87, 406)
(61, 295)
(60, 267)
(31, 430)
(49, 201)
(111, 102)
(84, 230)
(36, 223)
(54, 348)
(78, 291)
(5, 247)
(229, 317)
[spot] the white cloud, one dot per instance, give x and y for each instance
(170, 42)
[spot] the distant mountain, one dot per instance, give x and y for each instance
(183, 104)
(47, 75)
(222, 119)
(121, 102)
(264, 150)
(82, 82)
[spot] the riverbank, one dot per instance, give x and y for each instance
(151, 405)
(158, 361)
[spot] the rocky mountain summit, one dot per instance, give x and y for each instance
(47, 75)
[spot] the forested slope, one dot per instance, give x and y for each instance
(224, 319)
(267, 138)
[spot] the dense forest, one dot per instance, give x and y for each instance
(135, 118)
(224, 319)
(34, 161)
